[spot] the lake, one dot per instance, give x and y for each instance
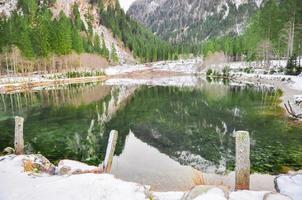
(164, 129)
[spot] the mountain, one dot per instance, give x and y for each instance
(33, 31)
(194, 20)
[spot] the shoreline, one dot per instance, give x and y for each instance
(34, 177)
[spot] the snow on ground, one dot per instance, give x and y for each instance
(297, 85)
(298, 98)
(213, 194)
(180, 81)
(255, 64)
(19, 79)
(294, 82)
(123, 69)
(18, 185)
(291, 186)
(8, 6)
(247, 195)
(74, 165)
(169, 195)
(180, 66)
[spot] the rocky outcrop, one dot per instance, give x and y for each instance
(38, 164)
(89, 8)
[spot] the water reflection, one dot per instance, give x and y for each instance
(193, 125)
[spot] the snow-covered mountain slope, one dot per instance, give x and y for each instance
(194, 20)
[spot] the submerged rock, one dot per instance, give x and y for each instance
(37, 163)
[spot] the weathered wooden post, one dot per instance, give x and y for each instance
(242, 175)
(19, 142)
(110, 151)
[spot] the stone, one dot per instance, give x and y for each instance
(70, 167)
(202, 189)
(276, 196)
(8, 150)
(64, 170)
(38, 164)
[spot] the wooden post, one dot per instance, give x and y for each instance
(110, 151)
(19, 142)
(242, 160)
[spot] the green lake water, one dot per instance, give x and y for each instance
(193, 126)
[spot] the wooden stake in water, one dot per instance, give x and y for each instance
(110, 151)
(242, 160)
(19, 142)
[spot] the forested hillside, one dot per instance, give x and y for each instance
(275, 32)
(137, 38)
(41, 29)
(193, 21)
(243, 30)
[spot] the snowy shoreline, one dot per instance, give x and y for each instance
(31, 185)
(167, 73)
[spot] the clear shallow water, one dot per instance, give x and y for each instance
(188, 125)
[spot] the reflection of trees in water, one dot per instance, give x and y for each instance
(69, 95)
(91, 147)
(199, 123)
(56, 121)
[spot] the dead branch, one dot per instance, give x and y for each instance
(291, 112)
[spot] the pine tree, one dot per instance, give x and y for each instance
(105, 51)
(64, 38)
(77, 41)
(114, 57)
(97, 45)
(41, 37)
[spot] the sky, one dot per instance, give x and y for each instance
(125, 4)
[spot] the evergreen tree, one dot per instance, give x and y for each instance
(114, 57)
(41, 37)
(77, 41)
(105, 51)
(63, 31)
(97, 45)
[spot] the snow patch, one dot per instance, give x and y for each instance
(290, 186)
(180, 81)
(247, 195)
(169, 195)
(18, 185)
(180, 66)
(239, 2)
(7, 6)
(75, 165)
(213, 194)
(258, 3)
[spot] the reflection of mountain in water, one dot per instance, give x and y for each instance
(195, 126)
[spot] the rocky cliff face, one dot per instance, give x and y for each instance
(194, 20)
